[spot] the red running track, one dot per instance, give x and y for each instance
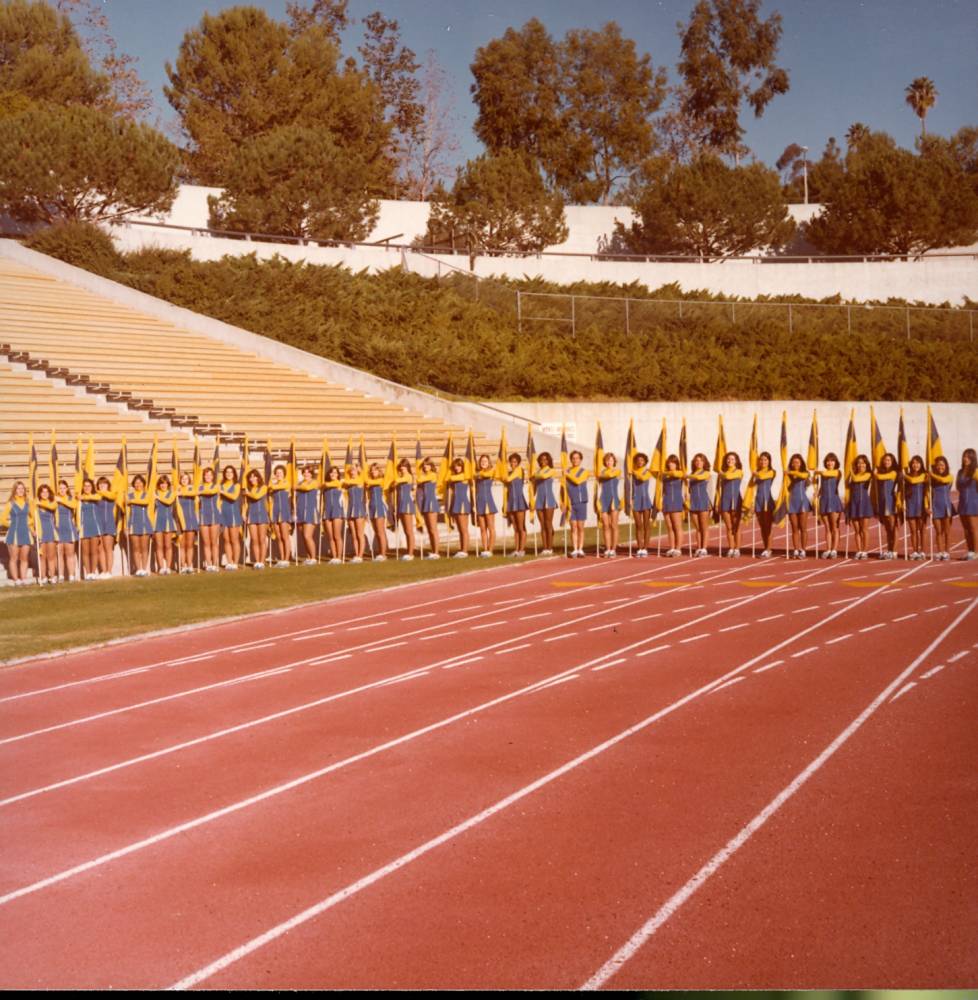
(644, 773)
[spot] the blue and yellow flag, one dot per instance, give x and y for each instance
(564, 466)
(781, 510)
(32, 479)
(120, 480)
(152, 476)
(851, 451)
(362, 456)
(935, 449)
(292, 468)
(683, 449)
(390, 467)
(630, 451)
(502, 463)
(598, 466)
(903, 461)
(752, 453)
(531, 463)
(718, 455)
(812, 458)
(197, 473)
(876, 441)
(324, 461)
(53, 464)
(348, 457)
(445, 466)
(658, 466)
(79, 470)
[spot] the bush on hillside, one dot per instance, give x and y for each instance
(81, 244)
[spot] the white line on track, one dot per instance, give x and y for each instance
(768, 666)
(645, 618)
(691, 607)
(359, 628)
(557, 638)
(730, 600)
(733, 628)
(906, 687)
(654, 649)
(839, 638)
(380, 649)
(598, 628)
(439, 635)
(513, 649)
(306, 638)
(958, 656)
(770, 618)
(676, 901)
(414, 618)
(475, 628)
(326, 904)
(332, 658)
(813, 607)
(539, 614)
(935, 670)
(610, 663)
(937, 607)
(803, 652)
(873, 628)
(578, 607)
(693, 638)
(461, 663)
(550, 684)
(904, 618)
(726, 684)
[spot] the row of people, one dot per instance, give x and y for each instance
(181, 524)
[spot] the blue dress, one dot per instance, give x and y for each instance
(461, 501)
(940, 500)
(19, 532)
(428, 498)
(375, 502)
(90, 528)
(544, 498)
(515, 496)
(577, 497)
(730, 499)
(885, 497)
(967, 494)
(699, 495)
(46, 518)
(763, 497)
(67, 532)
(307, 506)
(609, 494)
(188, 508)
(281, 506)
(231, 512)
(672, 495)
(257, 511)
(106, 516)
(355, 502)
(914, 497)
(484, 502)
(138, 518)
(829, 501)
(405, 499)
(165, 521)
(860, 504)
(798, 502)
(209, 512)
(641, 494)
(333, 503)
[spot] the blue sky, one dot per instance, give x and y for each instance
(848, 60)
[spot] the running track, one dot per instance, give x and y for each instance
(632, 774)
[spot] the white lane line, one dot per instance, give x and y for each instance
(360, 628)
(935, 670)
(726, 684)
(461, 663)
(513, 649)
(913, 614)
(550, 684)
(579, 607)
(873, 628)
(557, 638)
(799, 611)
(803, 652)
(844, 600)
(654, 649)
(821, 583)
(439, 635)
(693, 638)
(610, 663)
(539, 614)
(406, 677)
(470, 607)
(692, 607)
(414, 618)
(730, 600)
(617, 600)
(839, 638)
(926, 583)
(733, 628)
(329, 659)
(645, 618)
(958, 656)
(906, 687)
(246, 649)
(676, 901)
(306, 638)
(513, 600)
(475, 628)
(964, 600)
(390, 645)
(192, 659)
(598, 628)
(769, 666)
(770, 618)
(937, 607)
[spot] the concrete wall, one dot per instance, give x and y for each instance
(956, 422)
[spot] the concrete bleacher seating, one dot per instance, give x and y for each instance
(182, 373)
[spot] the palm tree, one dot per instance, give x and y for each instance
(921, 96)
(856, 132)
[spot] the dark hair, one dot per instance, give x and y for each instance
(576, 452)
(736, 459)
(338, 469)
(313, 470)
(919, 460)
(516, 455)
(163, 479)
(546, 455)
(458, 463)
(88, 482)
(969, 454)
(203, 474)
(706, 461)
(45, 488)
(889, 455)
(767, 455)
(484, 458)
(254, 474)
(232, 470)
(138, 478)
(279, 468)
(672, 460)
(863, 459)
(102, 479)
(640, 455)
(801, 463)
(831, 457)
(404, 463)
(947, 466)
(612, 456)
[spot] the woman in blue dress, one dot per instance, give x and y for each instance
(884, 497)
(914, 488)
(106, 524)
(47, 512)
(334, 517)
(941, 508)
(967, 486)
(859, 507)
(762, 481)
(829, 503)
(19, 533)
(576, 479)
(428, 506)
(545, 499)
(210, 520)
(799, 506)
(405, 509)
(516, 505)
(280, 492)
(377, 510)
(354, 483)
(698, 485)
(189, 523)
(485, 506)
(164, 525)
(673, 504)
(256, 494)
(231, 517)
(641, 503)
(139, 528)
(66, 527)
(609, 496)
(307, 500)
(91, 545)
(730, 476)
(460, 505)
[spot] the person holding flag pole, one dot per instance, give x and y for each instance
(812, 463)
(442, 485)
(429, 508)
(500, 473)
(375, 481)
(564, 466)
(829, 502)
(324, 466)
(18, 515)
(848, 463)
(642, 506)
(749, 498)
(281, 490)
(629, 460)
(188, 488)
(881, 490)
(531, 461)
(966, 483)
(389, 490)
(209, 514)
(485, 506)
(718, 457)
(469, 462)
(308, 514)
(407, 508)
(781, 509)
(940, 491)
(658, 466)
(903, 468)
(576, 478)
(120, 487)
(516, 505)
(598, 467)
(230, 509)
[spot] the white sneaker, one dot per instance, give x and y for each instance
(283, 564)
(766, 554)
(547, 552)
(971, 555)
(380, 558)
(258, 565)
(335, 562)
(802, 554)
(231, 566)
(485, 554)
(433, 555)
(309, 562)
(407, 557)
(461, 555)
(521, 554)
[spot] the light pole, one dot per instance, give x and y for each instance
(804, 167)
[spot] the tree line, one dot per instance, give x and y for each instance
(303, 137)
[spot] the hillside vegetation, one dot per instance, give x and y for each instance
(420, 332)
